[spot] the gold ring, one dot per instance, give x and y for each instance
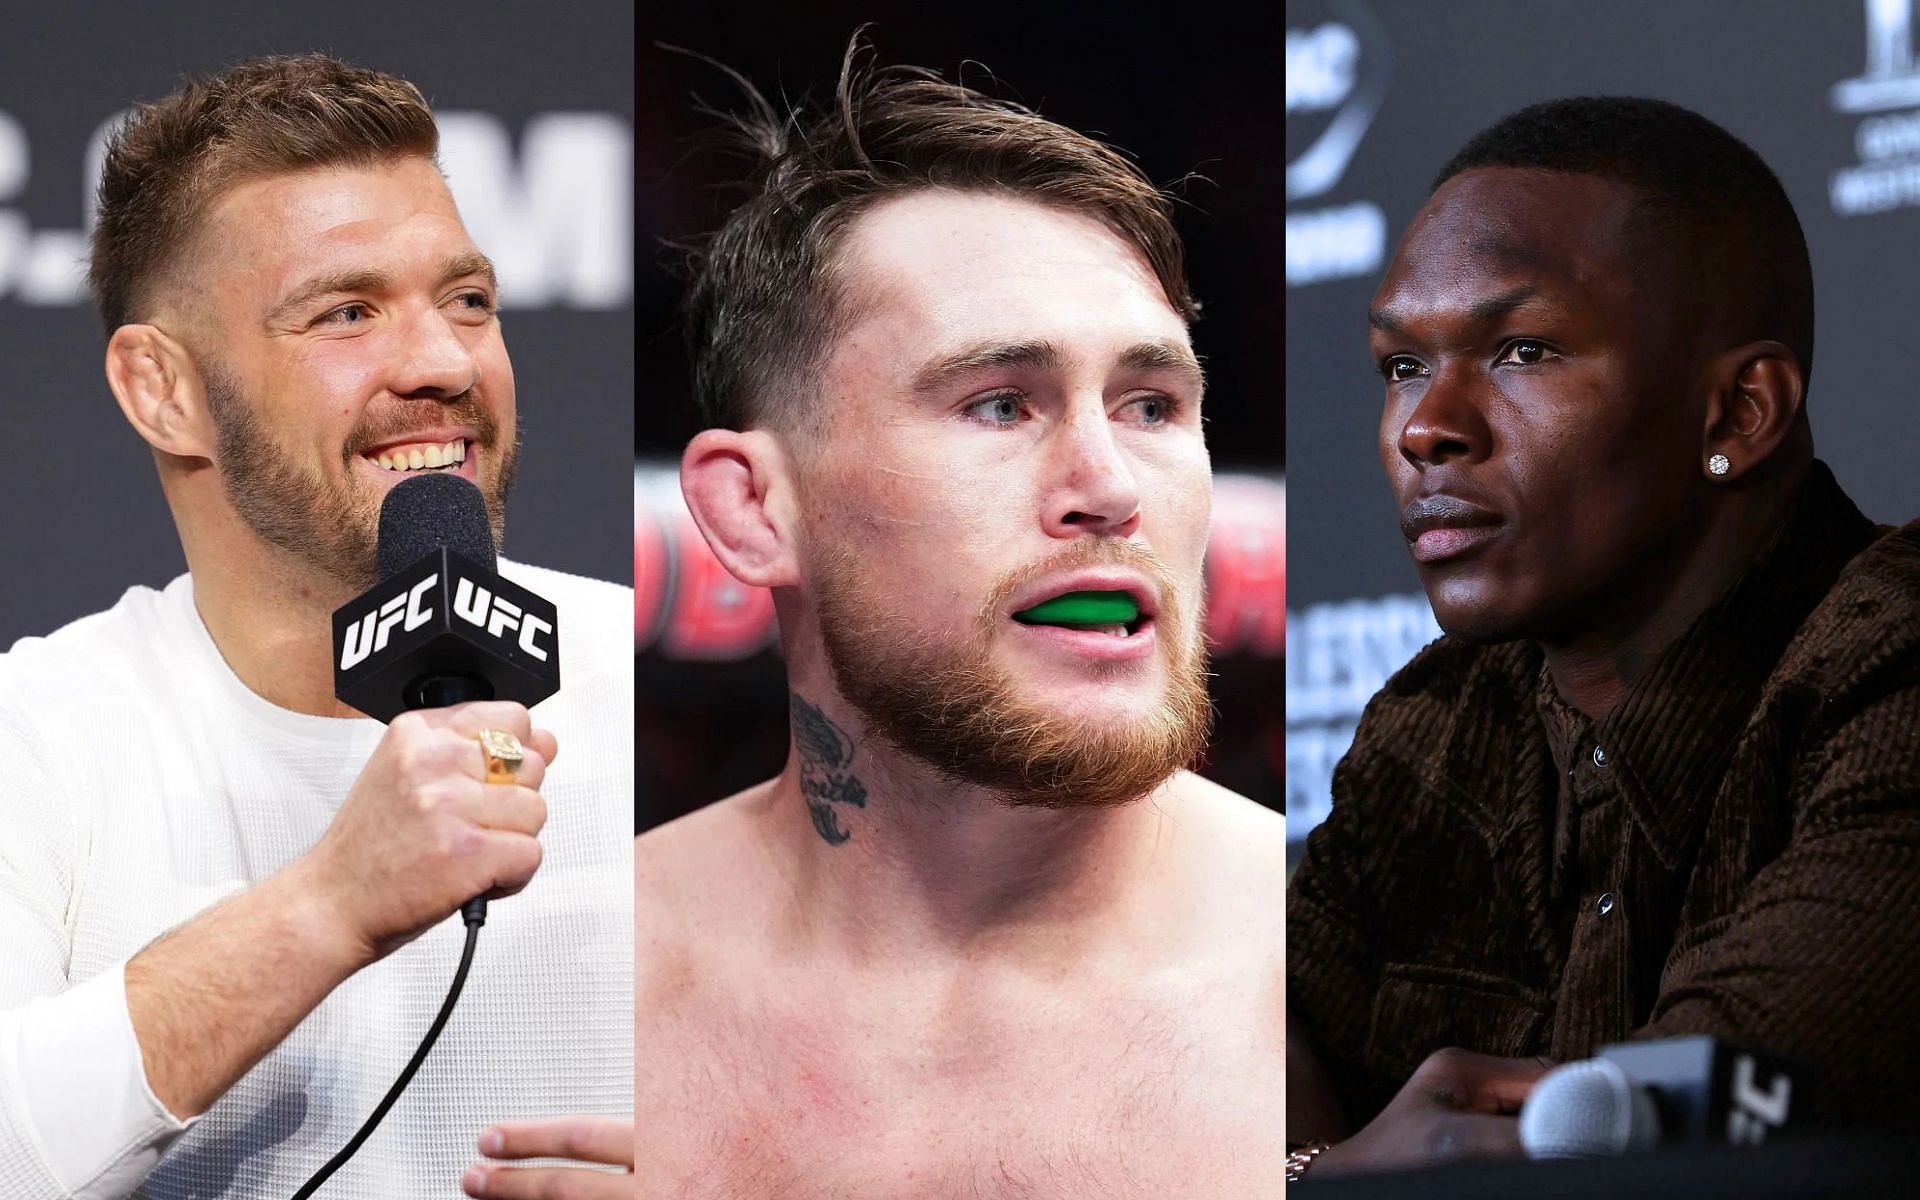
(504, 754)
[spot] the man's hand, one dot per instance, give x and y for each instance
(1458, 1105)
(422, 832)
(605, 1140)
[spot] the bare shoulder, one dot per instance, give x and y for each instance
(674, 856)
(1235, 855)
(698, 878)
(701, 888)
(1237, 833)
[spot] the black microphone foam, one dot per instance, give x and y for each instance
(423, 513)
(442, 626)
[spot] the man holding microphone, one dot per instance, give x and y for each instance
(223, 893)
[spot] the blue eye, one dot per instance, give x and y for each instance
(1155, 410)
(1000, 409)
(332, 318)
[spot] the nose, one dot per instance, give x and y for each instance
(1446, 423)
(1093, 485)
(432, 361)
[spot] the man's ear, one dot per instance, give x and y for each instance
(1754, 410)
(160, 391)
(739, 488)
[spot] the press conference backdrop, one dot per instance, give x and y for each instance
(1186, 93)
(536, 116)
(1381, 93)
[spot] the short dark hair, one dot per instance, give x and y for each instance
(261, 117)
(766, 302)
(1701, 185)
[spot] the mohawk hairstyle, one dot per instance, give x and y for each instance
(1720, 206)
(767, 301)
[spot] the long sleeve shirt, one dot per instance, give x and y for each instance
(141, 782)
(1734, 850)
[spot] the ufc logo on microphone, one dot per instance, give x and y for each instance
(1755, 1111)
(370, 634)
(497, 614)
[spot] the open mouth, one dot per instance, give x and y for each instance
(1111, 614)
(420, 456)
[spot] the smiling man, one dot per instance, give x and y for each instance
(223, 894)
(985, 934)
(1662, 774)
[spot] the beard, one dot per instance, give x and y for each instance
(945, 703)
(327, 522)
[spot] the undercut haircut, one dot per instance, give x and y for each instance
(265, 116)
(768, 301)
(1720, 208)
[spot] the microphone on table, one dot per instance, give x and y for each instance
(1637, 1096)
(442, 627)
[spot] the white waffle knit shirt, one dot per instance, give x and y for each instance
(141, 781)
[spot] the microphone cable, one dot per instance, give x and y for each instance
(475, 915)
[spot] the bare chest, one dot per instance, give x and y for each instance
(1168, 1090)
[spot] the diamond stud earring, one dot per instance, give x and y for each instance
(1718, 464)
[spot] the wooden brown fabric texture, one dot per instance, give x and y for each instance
(1742, 857)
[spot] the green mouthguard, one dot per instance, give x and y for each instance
(1082, 608)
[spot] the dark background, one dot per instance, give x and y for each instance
(1766, 71)
(81, 514)
(1182, 94)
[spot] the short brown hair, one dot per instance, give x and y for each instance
(765, 303)
(262, 117)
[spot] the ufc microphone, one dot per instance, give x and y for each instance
(442, 627)
(1637, 1095)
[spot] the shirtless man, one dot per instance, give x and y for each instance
(983, 935)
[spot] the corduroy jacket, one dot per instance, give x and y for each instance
(1734, 850)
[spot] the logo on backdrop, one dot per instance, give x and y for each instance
(557, 218)
(1338, 656)
(1887, 98)
(1336, 77)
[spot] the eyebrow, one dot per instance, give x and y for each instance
(368, 279)
(1039, 355)
(1504, 303)
(1386, 322)
(1481, 311)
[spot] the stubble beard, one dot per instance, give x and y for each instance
(944, 702)
(324, 522)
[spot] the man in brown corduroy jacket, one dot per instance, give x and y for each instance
(1662, 776)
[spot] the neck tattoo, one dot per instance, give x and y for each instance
(825, 780)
